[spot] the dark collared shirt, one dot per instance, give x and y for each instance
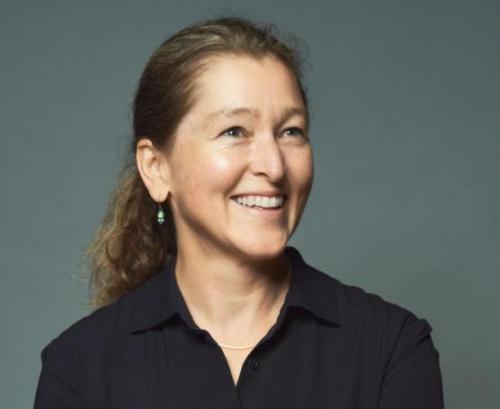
(332, 346)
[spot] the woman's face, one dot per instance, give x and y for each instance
(217, 156)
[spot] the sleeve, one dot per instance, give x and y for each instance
(412, 379)
(57, 387)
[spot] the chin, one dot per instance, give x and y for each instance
(263, 250)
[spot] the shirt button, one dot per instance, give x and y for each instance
(254, 364)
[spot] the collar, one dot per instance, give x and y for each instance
(158, 299)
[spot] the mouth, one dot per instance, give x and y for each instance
(262, 211)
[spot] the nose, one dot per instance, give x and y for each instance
(267, 158)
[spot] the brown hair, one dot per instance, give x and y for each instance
(129, 245)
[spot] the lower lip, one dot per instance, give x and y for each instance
(263, 212)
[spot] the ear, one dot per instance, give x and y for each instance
(153, 168)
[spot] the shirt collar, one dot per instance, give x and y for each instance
(159, 298)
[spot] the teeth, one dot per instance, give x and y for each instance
(261, 201)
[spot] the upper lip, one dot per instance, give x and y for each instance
(262, 193)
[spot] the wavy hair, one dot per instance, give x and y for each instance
(129, 245)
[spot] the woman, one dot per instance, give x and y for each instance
(200, 302)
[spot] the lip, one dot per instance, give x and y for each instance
(262, 193)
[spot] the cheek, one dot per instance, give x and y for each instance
(218, 164)
(210, 173)
(301, 169)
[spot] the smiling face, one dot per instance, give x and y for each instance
(217, 156)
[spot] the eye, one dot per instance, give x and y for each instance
(236, 131)
(234, 128)
(300, 131)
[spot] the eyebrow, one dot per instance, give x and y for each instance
(229, 113)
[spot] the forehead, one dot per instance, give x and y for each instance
(235, 85)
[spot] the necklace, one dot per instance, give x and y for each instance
(236, 346)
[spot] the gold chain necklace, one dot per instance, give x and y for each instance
(236, 346)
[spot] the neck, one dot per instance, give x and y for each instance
(232, 298)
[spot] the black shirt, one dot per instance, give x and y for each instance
(333, 346)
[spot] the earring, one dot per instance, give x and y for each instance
(160, 215)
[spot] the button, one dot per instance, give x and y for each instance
(254, 364)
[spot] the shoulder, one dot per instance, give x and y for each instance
(391, 344)
(384, 334)
(375, 318)
(93, 333)
(114, 321)
(112, 317)
(353, 300)
(347, 304)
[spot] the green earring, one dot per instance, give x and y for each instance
(160, 215)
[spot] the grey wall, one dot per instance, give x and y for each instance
(405, 101)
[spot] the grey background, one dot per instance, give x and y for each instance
(405, 104)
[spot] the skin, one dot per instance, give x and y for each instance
(231, 266)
